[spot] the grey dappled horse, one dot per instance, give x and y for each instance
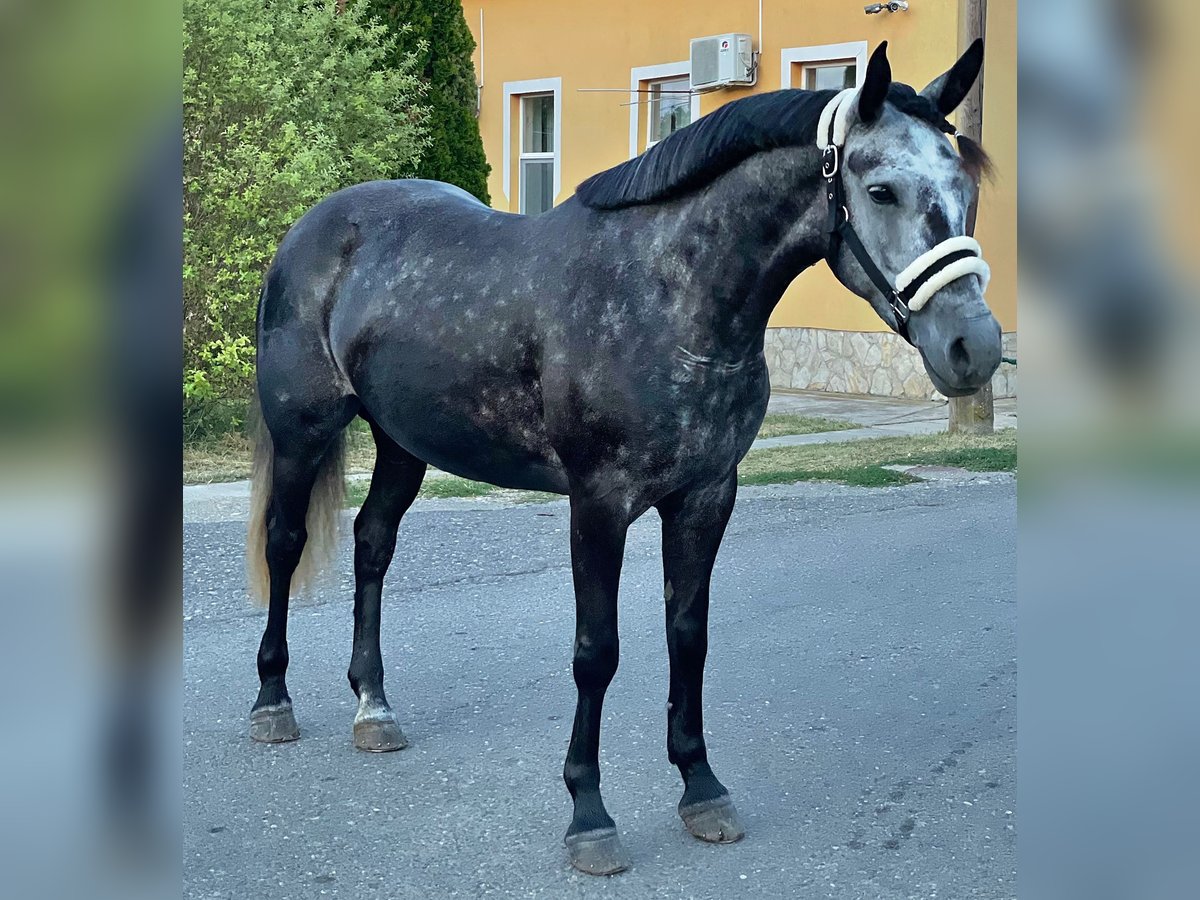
(611, 350)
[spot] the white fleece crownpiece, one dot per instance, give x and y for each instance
(970, 266)
(836, 114)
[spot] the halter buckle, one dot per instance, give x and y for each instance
(899, 308)
(831, 161)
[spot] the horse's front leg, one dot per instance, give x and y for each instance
(597, 546)
(693, 524)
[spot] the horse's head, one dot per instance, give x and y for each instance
(906, 194)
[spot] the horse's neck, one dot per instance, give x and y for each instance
(762, 224)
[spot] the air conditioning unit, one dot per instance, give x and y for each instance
(722, 60)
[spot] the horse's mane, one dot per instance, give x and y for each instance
(711, 146)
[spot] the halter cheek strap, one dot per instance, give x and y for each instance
(948, 261)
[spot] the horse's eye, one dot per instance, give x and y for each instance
(882, 194)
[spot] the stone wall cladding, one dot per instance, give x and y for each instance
(1004, 382)
(861, 362)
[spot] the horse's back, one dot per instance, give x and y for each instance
(343, 250)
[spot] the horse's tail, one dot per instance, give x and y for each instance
(321, 522)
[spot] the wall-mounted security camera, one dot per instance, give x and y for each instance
(895, 6)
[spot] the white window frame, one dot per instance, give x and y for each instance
(524, 155)
(517, 89)
(823, 54)
(640, 75)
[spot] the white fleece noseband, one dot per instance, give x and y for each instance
(969, 265)
(932, 270)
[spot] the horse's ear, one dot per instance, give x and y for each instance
(948, 90)
(875, 85)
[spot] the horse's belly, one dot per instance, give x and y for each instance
(500, 459)
(493, 436)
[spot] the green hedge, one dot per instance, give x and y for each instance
(285, 102)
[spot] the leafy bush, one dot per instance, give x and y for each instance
(285, 101)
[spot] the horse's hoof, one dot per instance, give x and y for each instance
(716, 821)
(274, 724)
(597, 852)
(379, 736)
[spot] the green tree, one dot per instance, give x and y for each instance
(285, 101)
(443, 44)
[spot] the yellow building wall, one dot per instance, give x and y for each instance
(596, 44)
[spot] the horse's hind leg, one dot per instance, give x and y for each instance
(693, 525)
(294, 471)
(394, 485)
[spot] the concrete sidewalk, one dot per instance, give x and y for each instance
(877, 416)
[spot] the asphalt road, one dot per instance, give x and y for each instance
(860, 704)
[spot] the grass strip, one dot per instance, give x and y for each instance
(229, 458)
(857, 463)
(861, 462)
(447, 487)
(780, 424)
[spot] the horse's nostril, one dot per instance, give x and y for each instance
(960, 359)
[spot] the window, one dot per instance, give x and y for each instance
(830, 76)
(829, 67)
(660, 103)
(532, 144)
(537, 153)
(670, 108)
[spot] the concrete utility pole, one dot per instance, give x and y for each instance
(975, 413)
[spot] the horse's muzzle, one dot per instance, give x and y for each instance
(965, 360)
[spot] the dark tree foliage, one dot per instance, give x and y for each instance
(443, 44)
